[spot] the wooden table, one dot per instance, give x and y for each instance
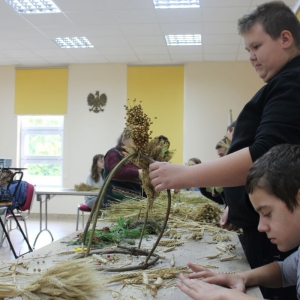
(193, 251)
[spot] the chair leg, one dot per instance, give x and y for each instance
(77, 218)
(25, 226)
(82, 215)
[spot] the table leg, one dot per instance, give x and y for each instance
(39, 198)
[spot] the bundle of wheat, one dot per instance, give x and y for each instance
(68, 280)
(85, 187)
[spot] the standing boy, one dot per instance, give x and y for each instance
(273, 184)
(271, 35)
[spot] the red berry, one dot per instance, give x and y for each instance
(108, 256)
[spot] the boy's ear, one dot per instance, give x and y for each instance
(287, 39)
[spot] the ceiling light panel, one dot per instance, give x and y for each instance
(33, 6)
(183, 39)
(176, 3)
(73, 42)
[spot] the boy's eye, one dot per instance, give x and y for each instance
(268, 215)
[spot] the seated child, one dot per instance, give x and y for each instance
(273, 185)
(95, 178)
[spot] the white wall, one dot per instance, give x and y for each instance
(211, 89)
(8, 122)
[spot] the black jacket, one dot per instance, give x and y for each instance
(270, 118)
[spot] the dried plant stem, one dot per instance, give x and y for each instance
(163, 227)
(144, 226)
(95, 211)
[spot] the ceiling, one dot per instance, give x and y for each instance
(123, 31)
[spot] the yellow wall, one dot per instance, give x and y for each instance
(160, 88)
(41, 91)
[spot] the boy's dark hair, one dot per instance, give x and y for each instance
(274, 16)
(278, 173)
(231, 126)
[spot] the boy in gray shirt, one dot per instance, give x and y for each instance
(273, 185)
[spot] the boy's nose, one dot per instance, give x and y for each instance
(262, 227)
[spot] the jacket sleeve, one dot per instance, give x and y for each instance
(280, 122)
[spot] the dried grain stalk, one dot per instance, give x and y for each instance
(63, 281)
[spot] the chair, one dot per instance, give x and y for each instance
(30, 192)
(83, 208)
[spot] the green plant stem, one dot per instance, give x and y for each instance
(95, 211)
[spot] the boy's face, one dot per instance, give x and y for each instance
(267, 56)
(281, 225)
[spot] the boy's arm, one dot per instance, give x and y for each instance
(267, 276)
(231, 170)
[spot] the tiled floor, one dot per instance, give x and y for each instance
(59, 229)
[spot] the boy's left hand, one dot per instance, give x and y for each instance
(199, 290)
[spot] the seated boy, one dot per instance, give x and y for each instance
(273, 185)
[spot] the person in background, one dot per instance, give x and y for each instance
(230, 131)
(273, 184)
(222, 147)
(271, 34)
(95, 178)
(126, 182)
(216, 194)
(192, 162)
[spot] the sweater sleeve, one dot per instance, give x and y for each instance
(89, 179)
(128, 172)
(289, 269)
(280, 122)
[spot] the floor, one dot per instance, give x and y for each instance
(59, 229)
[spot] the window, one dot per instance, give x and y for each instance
(41, 149)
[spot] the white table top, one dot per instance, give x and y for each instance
(194, 251)
(64, 191)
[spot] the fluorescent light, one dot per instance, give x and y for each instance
(73, 42)
(176, 3)
(33, 6)
(183, 39)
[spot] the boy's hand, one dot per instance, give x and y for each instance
(224, 223)
(199, 290)
(166, 176)
(233, 281)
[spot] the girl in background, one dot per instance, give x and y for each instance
(95, 177)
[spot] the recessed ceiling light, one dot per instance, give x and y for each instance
(33, 6)
(176, 3)
(183, 39)
(73, 42)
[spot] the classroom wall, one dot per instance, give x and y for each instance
(160, 90)
(210, 90)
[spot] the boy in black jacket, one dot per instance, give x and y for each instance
(271, 35)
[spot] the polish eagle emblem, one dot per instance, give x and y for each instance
(97, 101)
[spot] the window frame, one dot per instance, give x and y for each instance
(42, 159)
